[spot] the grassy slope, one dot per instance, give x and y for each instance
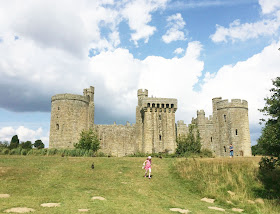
(32, 180)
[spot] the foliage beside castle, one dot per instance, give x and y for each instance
(155, 129)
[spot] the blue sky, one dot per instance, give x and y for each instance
(192, 50)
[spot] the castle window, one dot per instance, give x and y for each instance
(57, 126)
(149, 105)
(153, 105)
(225, 118)
(162, 105)
(167, 105)
(236, 133)
(159, 117)
(172, 105)
(58, 108)
(211, 139)
(157, 105)
(160, 137)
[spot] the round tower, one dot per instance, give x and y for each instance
(69, 116)
(233, 122)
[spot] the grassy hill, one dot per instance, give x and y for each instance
(33, 180)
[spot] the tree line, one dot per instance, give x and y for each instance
(15, 143)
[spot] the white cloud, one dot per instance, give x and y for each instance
(24, 134)
(178, 51)
(138, 14)
(237, 31)
(176, 24)
(269, 6)
(76, 27)
(249, 80)
(268, 26)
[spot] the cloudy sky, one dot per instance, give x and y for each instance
(192, 50)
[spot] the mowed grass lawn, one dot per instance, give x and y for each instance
(33, 180)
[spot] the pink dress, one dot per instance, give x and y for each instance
(148, 165)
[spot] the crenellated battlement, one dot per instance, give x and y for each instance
(70, 97)
(159, 103)
(142, 93)
(180, 122)
(200, 112)
(235, 103)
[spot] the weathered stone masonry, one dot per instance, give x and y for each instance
(155, 129)
(229, 124)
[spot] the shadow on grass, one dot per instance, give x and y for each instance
(271, 184)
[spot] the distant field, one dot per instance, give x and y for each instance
(33, 180)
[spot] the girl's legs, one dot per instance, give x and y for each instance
(146, 173)
(150, 170)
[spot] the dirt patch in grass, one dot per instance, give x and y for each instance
(4, 195)
(19, 210)
(50, 205)
(208, 200)
(179, 210)
(217, 208)
(98, 198)
(83, 210)
(3, 170)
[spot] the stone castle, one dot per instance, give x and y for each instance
(155, 129)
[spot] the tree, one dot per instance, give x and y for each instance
(14, 142)
(269, 141)
(257, 150)
(191, 143)
(26, 145)
(39, 144)
(4, 144)
(88, 140)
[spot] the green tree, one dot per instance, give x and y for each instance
(257, 150)
(26, 145)
(88, 140)
(4, 144)
(189, 143)
(14, 142)
(269, 141)
(39, 144)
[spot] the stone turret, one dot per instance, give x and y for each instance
(155, 123)
(70, 114)
(233, 121)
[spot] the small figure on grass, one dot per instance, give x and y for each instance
(231, 151)
(147, 165)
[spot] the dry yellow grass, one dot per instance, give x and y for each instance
(214, 177)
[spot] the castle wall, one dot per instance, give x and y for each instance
(155, 129)
(182, 129)
(228, 125)
(117, 140)
(69, 116)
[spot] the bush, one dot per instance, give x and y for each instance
(5, 151)
(26, 145)
(88, 141)
(16, 151)
(187, 145)
(269, 175)
(24, 151)
(39, 144)
(268, 163)
(4, 144)
(50, 151)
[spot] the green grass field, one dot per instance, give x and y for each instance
(33, 180)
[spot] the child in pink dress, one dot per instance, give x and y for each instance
(147, 165)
